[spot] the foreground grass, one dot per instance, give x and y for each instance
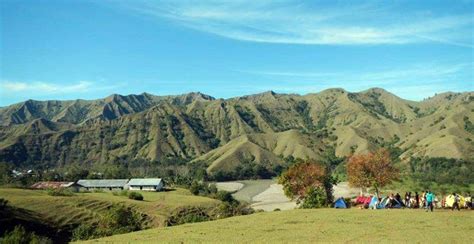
(321, 225)
(84, 207)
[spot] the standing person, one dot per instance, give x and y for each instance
(468, 200)
(407, 200)
(430, 197)
(472, 200)
(456, 202)
(417, 200)
(399, 200)
(423, 199)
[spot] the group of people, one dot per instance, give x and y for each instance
(426, 200)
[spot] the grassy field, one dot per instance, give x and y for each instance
(66, 212)
(320, 225)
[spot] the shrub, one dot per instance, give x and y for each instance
(135, 196)
(315, 198)
(84, 232)
(226, 209)
(188, 215)
(20, 235)
(202, 189)
(195, 188)
(118, 219)
(276, 209)
(225, 196)
(64, 192)
(3, 203)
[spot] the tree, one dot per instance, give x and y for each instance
(307, 178)
(371, 170)
(5, 173)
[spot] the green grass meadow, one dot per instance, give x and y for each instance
(319, 225)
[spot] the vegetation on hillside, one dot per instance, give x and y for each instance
(60, 216)
(142, 134)
(20, 235)
(118, 219)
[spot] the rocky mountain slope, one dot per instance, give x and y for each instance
(263, 128)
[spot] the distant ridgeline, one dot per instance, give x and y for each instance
(243, 137)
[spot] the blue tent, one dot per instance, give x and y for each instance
(385, 201)
(373, 202)
(340, 203)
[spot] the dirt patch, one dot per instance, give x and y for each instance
(229, 186)
(273, 198)
(343, 189)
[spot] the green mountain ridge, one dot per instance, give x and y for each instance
(263, 127)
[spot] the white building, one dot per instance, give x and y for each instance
(113, 184)
(150, 184)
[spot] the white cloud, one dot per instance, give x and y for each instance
(46, 88)
(303, 23)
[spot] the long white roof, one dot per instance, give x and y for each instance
(103, 183)
(145, 182)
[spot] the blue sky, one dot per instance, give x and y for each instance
(91, 49)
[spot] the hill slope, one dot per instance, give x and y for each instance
(322, 225)
(63, 214)
(264, 128)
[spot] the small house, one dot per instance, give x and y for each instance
(110, 185)
(149, 184)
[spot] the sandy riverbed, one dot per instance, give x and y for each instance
(229, 186)
(268, 195)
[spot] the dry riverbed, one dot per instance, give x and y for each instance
(268, 195)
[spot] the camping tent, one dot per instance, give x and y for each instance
(385, 201)
(363, 200)
(340, 203)
(374, 202)
(450, 201)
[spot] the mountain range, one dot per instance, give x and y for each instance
(264, 128)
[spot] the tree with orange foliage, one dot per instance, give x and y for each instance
(303, 178)
(371, 170)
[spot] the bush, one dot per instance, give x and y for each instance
(226, 209)
(225, 196)
(3, 203)
(118, 219)
(202, 189)
(199, 214)
(20, 235)
(188, 215)
(135, 196)
(195, 188)
(315, 198)
(64, 192)
(84, 232)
